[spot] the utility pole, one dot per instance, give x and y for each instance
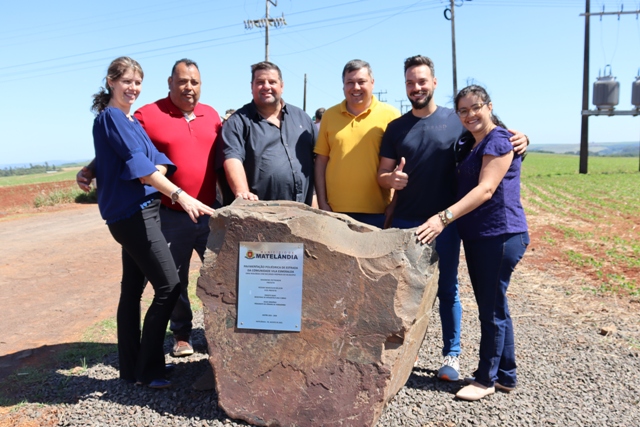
(584, 130)
(379, 95)
(266, 23)
(453, 49)
(304, 101)
(402, 105)
(449, 15)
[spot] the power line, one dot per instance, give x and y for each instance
(95, 20)
(266, 23)
(113, 48)
(356, 32)
(103, 59)
(381, 15)
(185, 35)
(297, 28)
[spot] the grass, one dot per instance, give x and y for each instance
(56, 197)
(65, 175)
(102, 332)
(543, 164)
(603, 201)
(71, 194)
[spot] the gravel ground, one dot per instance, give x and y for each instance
(570, 375)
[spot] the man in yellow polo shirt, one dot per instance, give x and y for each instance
(348, 147)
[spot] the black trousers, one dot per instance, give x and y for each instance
(145, 255)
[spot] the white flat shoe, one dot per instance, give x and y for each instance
(474, 391)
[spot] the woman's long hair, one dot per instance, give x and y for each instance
(116, 69)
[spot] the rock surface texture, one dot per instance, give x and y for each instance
(367, 297)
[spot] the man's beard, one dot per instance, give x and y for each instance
(420, 104)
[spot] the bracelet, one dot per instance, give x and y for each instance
(443, 218)
(446, 217)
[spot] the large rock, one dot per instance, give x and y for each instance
(367, 295)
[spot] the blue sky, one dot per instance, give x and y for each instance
(528, 53)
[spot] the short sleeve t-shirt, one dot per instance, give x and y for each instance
(427, 144)
(503, 213)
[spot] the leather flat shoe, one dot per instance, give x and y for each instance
(503, 388)
(475, 391)
(169, 368)
(497, 385)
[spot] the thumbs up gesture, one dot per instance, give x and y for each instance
(399, 179)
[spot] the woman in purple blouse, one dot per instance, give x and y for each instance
(493, 228)
(130, 174)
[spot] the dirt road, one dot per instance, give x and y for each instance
(59, 274)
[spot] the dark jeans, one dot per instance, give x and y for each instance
(377, 220)
(183, 236)
(491, 262)
(145, 255)
(448, 249)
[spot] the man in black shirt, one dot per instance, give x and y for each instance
(267, 145)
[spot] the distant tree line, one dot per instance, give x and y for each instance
(32, 169)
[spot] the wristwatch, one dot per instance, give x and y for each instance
(175, 195)
(449, 215)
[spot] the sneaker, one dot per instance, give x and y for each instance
(450, 370)
(181, 347)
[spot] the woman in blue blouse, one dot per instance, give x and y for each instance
(130, 174)
(493, 228)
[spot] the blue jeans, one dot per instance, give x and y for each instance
(448, 249)
(491, 262)
(183, 237)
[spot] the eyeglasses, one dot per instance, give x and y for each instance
(475, 109)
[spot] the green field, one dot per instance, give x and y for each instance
(593, 218)
(613, 182)
(542, 164)
(65, 175)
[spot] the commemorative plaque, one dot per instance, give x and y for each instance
(270, 286)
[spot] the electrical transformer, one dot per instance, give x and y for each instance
(606, 91)
(635, 92)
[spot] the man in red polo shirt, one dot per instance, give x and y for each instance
(184, 130)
